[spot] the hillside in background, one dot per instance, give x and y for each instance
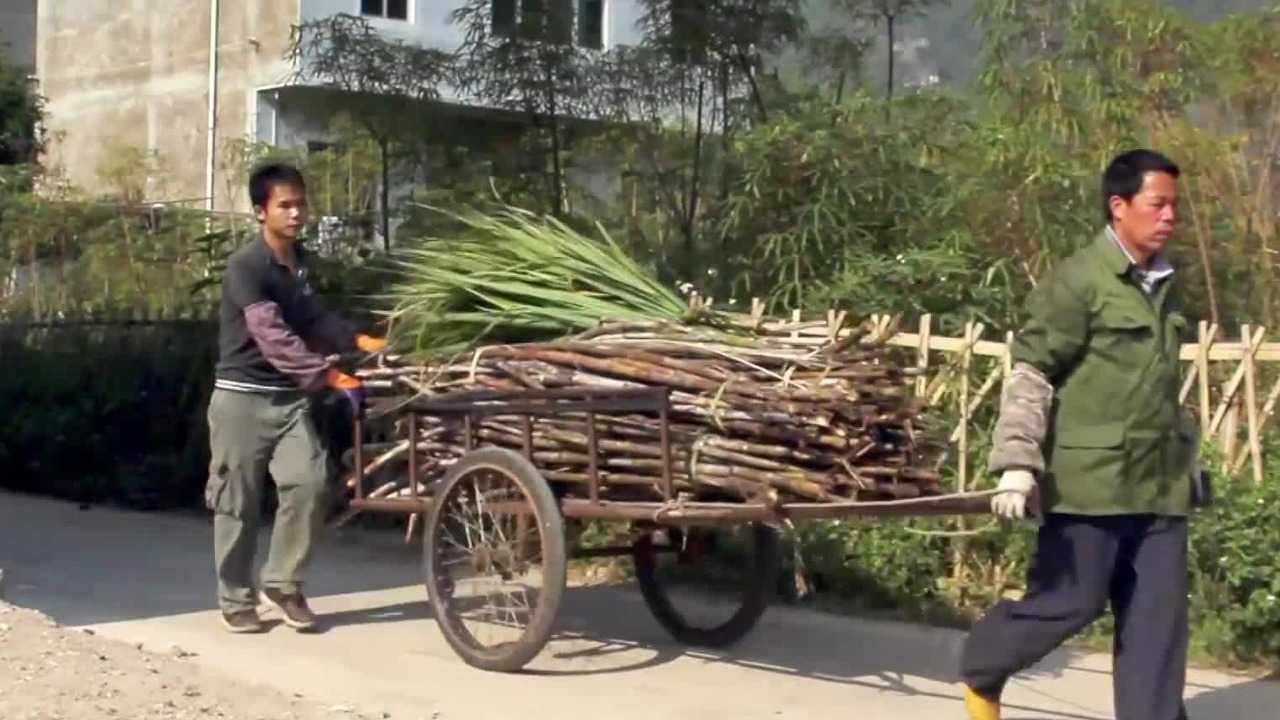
(945, 43)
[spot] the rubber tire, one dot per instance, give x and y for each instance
(512, 657)
(757, 591)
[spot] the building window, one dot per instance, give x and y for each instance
(389, 9)
(555, 21)
(549, 20)
(503, 17)
(591, 24)
(690, 37)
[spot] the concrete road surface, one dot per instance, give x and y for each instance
(148, 579)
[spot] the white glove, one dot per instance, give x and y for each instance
(1010, 500)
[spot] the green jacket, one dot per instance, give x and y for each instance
(1118, 440)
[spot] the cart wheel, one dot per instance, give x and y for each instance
(753, 590)
(494, 520)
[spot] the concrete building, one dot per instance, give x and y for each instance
(142, 73)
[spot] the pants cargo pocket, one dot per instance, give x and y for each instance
(213, 489)
(222, 494)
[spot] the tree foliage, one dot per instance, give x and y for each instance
(21, 113)
(745, 178)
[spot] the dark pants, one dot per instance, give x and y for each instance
(1138, 563)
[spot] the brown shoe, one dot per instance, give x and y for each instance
(293, 607)
(242, 621)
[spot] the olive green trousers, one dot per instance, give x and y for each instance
(251, 434)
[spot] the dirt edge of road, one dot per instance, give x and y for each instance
(52, 672)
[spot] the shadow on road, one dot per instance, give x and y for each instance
(1251, 700)
(104, 566)
(608, 630)
(610, 627)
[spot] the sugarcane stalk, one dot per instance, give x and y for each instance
(768, 414)
(558, 438)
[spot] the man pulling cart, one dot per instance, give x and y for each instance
(1092, 431)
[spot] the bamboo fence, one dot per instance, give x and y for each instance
(1223, 380)
(1232, 386)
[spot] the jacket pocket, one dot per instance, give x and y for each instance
(1161, 458)
(1124, 350)
(1090, 453)
(1121, 320)
(1095, 436)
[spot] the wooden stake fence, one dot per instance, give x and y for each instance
(1226, 376)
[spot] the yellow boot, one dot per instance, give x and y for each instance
(980, 708)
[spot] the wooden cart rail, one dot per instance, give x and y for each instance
(473, 529)
(473, 406)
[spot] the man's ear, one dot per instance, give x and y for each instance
(1117, 205)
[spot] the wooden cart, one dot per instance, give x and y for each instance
(490, 513)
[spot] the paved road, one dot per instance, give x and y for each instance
(147, 579)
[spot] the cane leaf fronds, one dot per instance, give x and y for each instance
(512, 276)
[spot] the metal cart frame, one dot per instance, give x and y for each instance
(545, 509)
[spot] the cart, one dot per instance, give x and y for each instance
(490, 513)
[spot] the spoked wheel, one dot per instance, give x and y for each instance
(719, 570)
(495, 559)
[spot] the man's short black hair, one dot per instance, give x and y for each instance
(1123, 177)
(268, 175)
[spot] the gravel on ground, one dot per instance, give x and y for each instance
(51, 672)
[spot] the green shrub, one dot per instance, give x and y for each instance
(1235, 572)
(108, 412)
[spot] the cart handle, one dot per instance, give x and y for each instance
(359, 358)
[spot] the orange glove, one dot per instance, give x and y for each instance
(338, 380)
(369, 344)
(349, 388)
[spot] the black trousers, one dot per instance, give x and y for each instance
(1138, 564)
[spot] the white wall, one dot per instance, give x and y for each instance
(429, 23)
(287, 117)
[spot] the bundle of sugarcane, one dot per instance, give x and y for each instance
(804, 411)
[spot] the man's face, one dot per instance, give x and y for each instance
(1147, 221)
(285, 212)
